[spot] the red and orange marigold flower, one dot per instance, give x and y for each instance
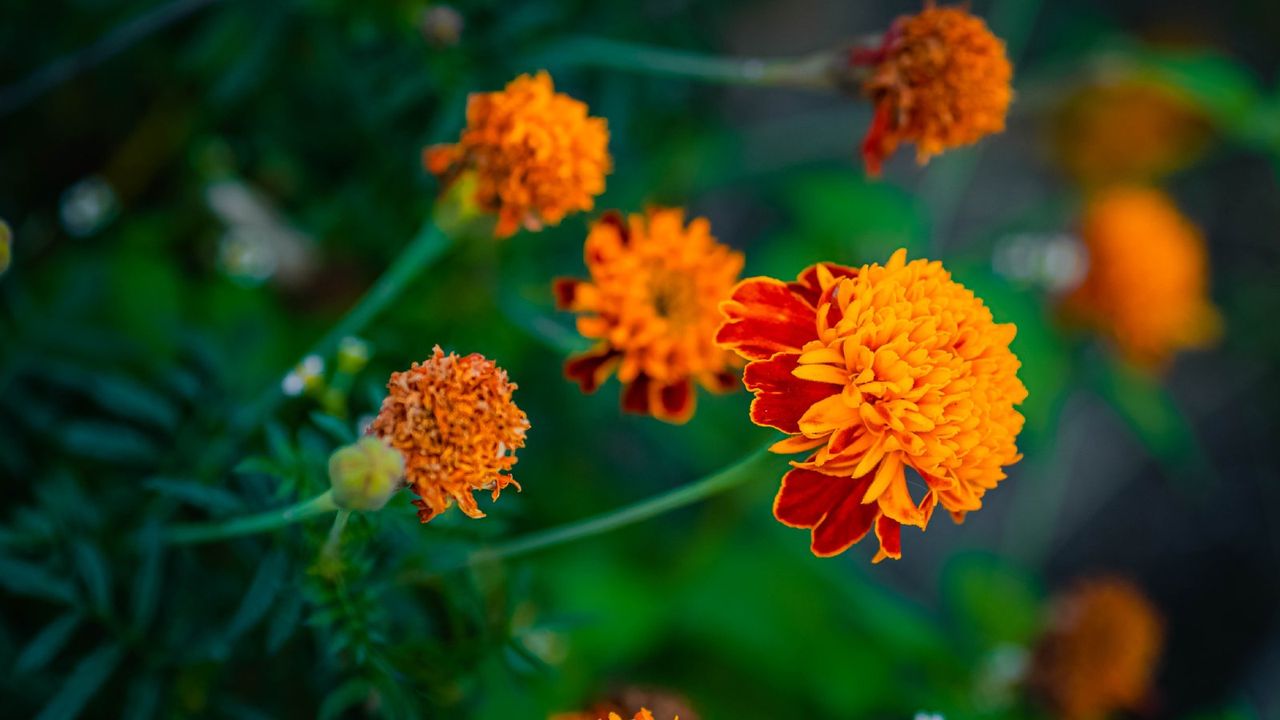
(453, 420)
(1146, 287)
(536, 154)
(940, 79)
(652, 304)
(873, 372)
(1099, 653)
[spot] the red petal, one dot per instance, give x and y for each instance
(591, 368)
(807, 496)
(890, 534)
(565, 289)
(879, 142)
(674, 402)
(635, 396)
(846, 524)
(782, 398)
(807, 286)
(721, 382)
(764, 317)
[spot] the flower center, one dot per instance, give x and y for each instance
(673, 296)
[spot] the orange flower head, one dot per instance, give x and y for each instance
(635, 699)
(1128, 131)
(651, 302)
(1147, 283)
(940, 79)
(1100, 651)
(453, 420)
(536, 154)
(874, 371)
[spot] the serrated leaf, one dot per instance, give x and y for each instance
(95, 574)
(23, 578)
(335, 428)
(146, 583)
(110, 442)
(257, 599)
(47, 644)
(207, 497)
(82, 684)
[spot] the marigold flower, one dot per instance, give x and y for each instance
(455, 423)
(536, 154)
(652, 302)
(1129, 130)
(1099, 653)
(632, 699)
(1147, 282)
(876, 370)
(940, 79)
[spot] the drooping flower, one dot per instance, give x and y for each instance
(875, 372)
(453, 420)
(1146, 287)
(940, 79)
(1129, 130)
(1099, 653)
(652, 303)
(535, 153)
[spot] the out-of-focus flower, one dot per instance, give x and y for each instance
(940, 79)
(88, 206)
(536, 154)
(1130, 130)
(1054, 262)
(307, 376)
(441, 25)
(1099, 652)
(365, 474)
(259, 243)
(353, 355)
(652, 302)
(6, 246)
(1146, 287)
(875, 371)
(636, 700)
(453, 420)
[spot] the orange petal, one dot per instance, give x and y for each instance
(673, 403)
(826, 415)
(889, 532)
(795, 444)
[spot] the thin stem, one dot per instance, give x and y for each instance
(818, 71)
(335, 533)
(714, 484)
(271, 520)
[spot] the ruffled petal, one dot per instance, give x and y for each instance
(764, 317)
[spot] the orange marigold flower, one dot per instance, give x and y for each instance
(536, 153)
(453, 420)
(652, 302)
(635, 699)
(877, 370)
(1130, 130)
(940, 79)
(1147, 283)
(1099, 653)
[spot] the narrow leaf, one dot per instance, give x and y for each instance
(257, 600)
(337, 429)
(46, 645)
(214, 499)
(23, 578)
(93, 571)
(83, 683)
(146, 583)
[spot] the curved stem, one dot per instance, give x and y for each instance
(708, 486)
(818, 71)
(206, 532)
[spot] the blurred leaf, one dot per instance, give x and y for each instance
(258, 466)
(93, 570)
(992, 599)
(285, 622)
(146, 583)
(344, 697)
(84, 681)
(23, 578)
(207, 497)
(257, 599)
(130, 399)
(1223, 86)
(279, 444)
(337, 429)
(46, 645)
(107, 441)
(144, 697)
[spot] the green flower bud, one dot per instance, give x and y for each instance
(353, 355)
(365, 474)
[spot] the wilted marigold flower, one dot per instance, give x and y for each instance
(652, 303)
(453, 420)
(874, 371)
(940, 79)
(536, 154)
(1100, 651)
(1147, 281)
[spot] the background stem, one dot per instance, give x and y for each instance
(206, 532)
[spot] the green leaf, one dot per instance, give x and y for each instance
(23, 578)
(83, 683)
(258, 466)
(127, 398)
(146, 583)
(207, 497)
(257, 599)
(107, 441)
(284, 623)
(95, 574)
(144, 696)
(337, 429)
(346, 696)
(47, 644)
(280, 445)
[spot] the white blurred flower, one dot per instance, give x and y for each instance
(87, 206)
(259, 243)
(1054, 262)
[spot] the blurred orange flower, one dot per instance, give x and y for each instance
(877, 370)
(652, 302)
(940, 79)
(536, 153)
(634, 699)
(1099, 653)
(1127, 131)
(453, 420)
(1147, 282)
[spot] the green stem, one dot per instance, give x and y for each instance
(271, 520)
(818, 71)
(714, 484)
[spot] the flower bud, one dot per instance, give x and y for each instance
(353, 355)
(365, 474)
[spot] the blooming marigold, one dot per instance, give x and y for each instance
(875, 370)
(453, 420)
(652, 302)
(1099, 653)
(939, 79)
(536, 154)
(1127, 131)
(633, 699)
(1147, 280)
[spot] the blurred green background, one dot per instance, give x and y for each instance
(199, 197)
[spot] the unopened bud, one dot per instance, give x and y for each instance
(365, 474)
(353, 355)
